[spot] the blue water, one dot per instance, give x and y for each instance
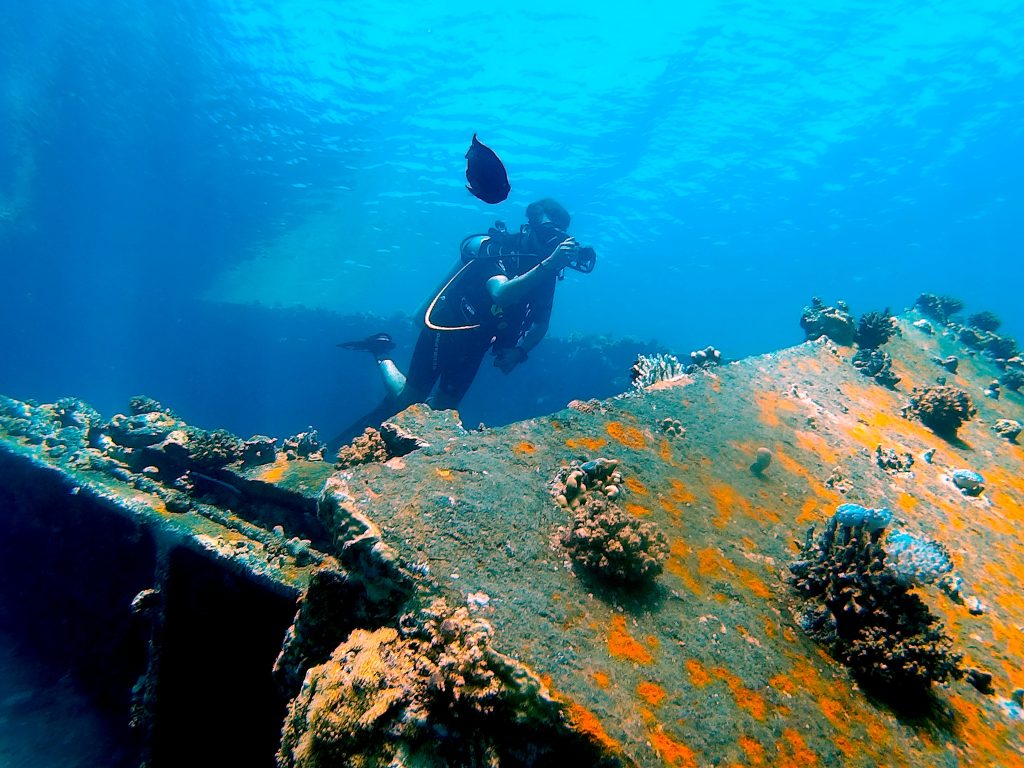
(728, 161)
(198, 199)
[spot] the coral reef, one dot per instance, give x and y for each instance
(943, 409)
(1008, 429)
(366, 448)
(650, 370)
(1012, 379)
(433, 693)
(1002, 347)
(334, 604)
(974, 338)
(924, 326)
(140, 429)
(672, 427)
(864, 610)
(916, 559)
(985, 321)
(259, 449)
(874, 329)
(305, 445)
(938, 307)
(613, 544)
(876, 364)
(893, 462)
(572, 483)
(835, 322)
(703, 359)
(212, 449)
(72, 412)
(853, 515)
(602, 538)
(999, 347)
(950, 363)
(143, 404)
(587, 406)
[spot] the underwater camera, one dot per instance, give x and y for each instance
(583, 258)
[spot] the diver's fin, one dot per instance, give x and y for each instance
(377, 344)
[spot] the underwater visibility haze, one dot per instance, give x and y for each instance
(727, 160)
(200, 200)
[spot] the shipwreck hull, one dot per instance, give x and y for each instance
(705, 664)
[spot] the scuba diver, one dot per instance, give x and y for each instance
(498, 298)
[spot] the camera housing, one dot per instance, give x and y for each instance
(583, 259)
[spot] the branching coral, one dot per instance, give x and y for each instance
(874, 329)
(876, 364)
(938, 307)
(986, 321)
(1008, 429)
(893, 462)
(868, 616)
(73, 412)
(1012, 379)
(422, 695)
(142, 404)
(942, 409)
(366, 448)
(1002, 347)
(214, 448)
(835, 322)
(650, 370)
(614, 544)
(702, 359)
(999, 347)
(305, 445)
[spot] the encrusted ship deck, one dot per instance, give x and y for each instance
(706, 666)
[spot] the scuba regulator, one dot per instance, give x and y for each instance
(497, 243)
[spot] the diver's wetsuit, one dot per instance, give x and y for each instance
(461, 322)
(450, 349)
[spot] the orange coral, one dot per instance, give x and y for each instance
(698, 675)
(590, 444)
(635, 486)
(631, 437)
(622, 645)
(652, 693)
(673, 752)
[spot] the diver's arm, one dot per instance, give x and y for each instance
(505, 291)
(507, 359)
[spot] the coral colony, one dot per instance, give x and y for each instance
(858, 583)
(515, 596)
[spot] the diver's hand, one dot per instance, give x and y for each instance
(562, 255)
(507, 359)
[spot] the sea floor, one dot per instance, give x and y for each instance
(45, 722)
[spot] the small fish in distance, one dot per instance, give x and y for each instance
(485, 173)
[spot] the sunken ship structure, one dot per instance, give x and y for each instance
(810, 557)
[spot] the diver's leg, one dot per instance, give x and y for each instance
(393, 378)
(403, 391)
(458, 367)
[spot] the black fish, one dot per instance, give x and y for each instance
(485, 173)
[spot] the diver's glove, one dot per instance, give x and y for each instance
(507, 359)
